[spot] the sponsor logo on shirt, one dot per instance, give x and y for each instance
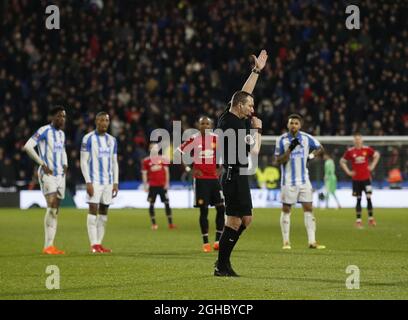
(104, 152)
(58, 147)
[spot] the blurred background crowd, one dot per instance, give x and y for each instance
(149, 63)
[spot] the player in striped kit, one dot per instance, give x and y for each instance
(53, 164)
(293, 150)
(99, 165)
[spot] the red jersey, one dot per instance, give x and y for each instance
(156, 173)
(203, 149)
(359, 162)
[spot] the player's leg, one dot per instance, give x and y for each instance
(92, 217)
(101, 226)
(204, 226)
(217, 199)
(310, 224)
(306, 198)
(49, 187)
(151, 198)
(368, 192)
(289, 196)
(50, 223)
(165, 199)
(106, 200)
(285, 225)
(202, 201)
(92, 226)
(357, 192)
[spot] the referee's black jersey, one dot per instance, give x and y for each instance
(226, 121)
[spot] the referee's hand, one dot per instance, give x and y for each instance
(256, 123)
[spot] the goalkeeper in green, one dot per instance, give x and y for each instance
(330, 179)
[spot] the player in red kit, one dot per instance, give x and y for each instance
(360, 157)
(156, 179)
(207, 189)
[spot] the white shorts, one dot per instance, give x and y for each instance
(293, 194)
(52, 184)
(102, 194)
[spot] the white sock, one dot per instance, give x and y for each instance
(50, 226)
(100, 226)
(285, 226)
(92, 232)
(310, 224)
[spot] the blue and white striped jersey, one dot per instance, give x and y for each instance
(51, 146)
(102, 151)
(295, 172)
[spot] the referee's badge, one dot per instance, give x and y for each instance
(249, 139)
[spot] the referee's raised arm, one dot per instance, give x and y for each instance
(260, 62)
(238, 119)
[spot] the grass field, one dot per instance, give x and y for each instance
(169, 264)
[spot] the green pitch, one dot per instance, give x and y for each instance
(169, 264)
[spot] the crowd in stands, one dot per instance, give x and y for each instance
(149, 63)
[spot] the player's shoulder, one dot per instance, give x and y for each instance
(110, 137)
(307, 135)
(44, 128)
(282, 136)
(88, 135)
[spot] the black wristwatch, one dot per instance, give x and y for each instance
(255, 70)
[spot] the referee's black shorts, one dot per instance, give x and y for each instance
(207, 192)
(237, 194)
(360, 186)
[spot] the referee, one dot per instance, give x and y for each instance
(238, 118)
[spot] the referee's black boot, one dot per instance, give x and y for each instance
(219, 271)
(227, 271)
(231, 271)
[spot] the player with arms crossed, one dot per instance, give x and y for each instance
(156, 181)
(293, 150)
(207, 188)
(237, 118)
(359, 155)
(99, 166)
(53, 165)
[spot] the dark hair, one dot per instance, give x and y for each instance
(295, 116)
(357, 133)
(54, 111)
(102, 113)
(240, 97)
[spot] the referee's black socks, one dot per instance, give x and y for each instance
(227, 242)
(241, 229)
